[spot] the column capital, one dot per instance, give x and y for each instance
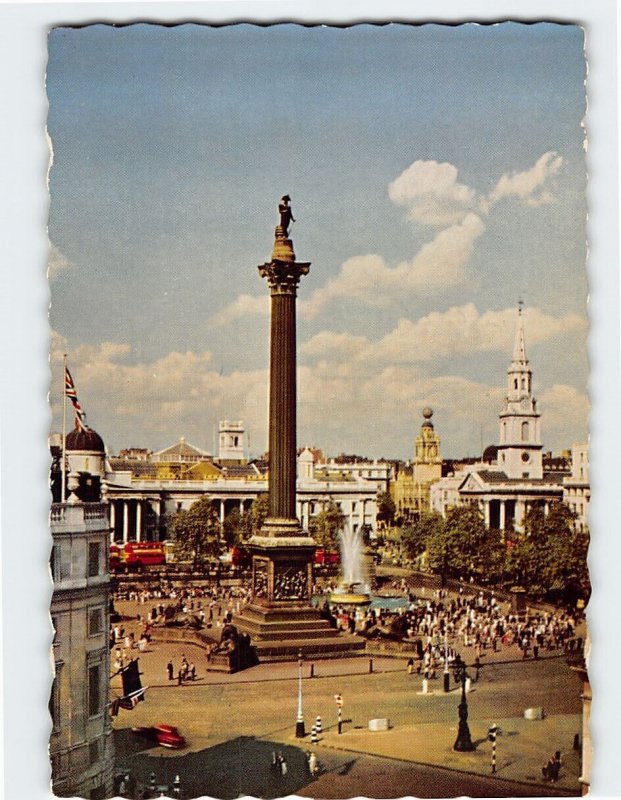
(283, 277)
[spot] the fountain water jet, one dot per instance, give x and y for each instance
(351, 545)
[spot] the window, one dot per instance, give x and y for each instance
(93, 752)
(525, 431)
(94, 690)
(60, 561)
(93, 559)
(54, 704)
(95, 621)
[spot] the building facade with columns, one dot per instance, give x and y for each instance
(505, 490)
(81, 750)
(141, 506)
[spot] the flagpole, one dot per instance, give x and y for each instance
(63, 492)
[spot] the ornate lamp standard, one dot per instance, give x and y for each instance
(299, 725)
(447, 676)
(463, 743)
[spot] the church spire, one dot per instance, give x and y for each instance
(519, 451)
(519, 348)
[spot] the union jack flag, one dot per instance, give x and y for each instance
(70, 392)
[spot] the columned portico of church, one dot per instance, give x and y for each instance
(504, 504)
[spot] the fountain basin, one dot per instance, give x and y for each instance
(350, 599)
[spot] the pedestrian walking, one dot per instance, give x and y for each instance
(171, 670)
(283, 767)
(312, 764)
(410, 666)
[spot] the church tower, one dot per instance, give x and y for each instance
(519, 451)
(427, 457)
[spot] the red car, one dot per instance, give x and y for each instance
(164, 735)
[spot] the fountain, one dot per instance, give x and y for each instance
(353, 589)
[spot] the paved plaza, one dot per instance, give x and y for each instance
(235, 723)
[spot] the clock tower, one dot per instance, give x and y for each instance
(427, 457)
(519, 451)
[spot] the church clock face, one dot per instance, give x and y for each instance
(525, 457)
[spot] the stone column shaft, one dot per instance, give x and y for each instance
(138, 520)
(125, 521)
(282, 417)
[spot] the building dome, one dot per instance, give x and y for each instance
(88, 440)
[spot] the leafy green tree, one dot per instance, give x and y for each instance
(238, 527)
(463, 547)
(232, 528)
(326, 526)
(256, 516)
(415, 535)
(550, 555)
(196, 532)
(386, 508)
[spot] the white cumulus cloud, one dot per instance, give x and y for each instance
(432, 194)
(243, 306)
(458, 331)
(532, 186)
(438, 265)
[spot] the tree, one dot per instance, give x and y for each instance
(463, 547)
(232, 528)
(326, 526)
(196, 532)
(386, 508)
(238, 527)
(415, 535)
(550, 555)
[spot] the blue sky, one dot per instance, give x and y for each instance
(437, 174)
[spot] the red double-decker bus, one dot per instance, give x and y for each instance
(133, 555)
(326, 558)
(115, 557)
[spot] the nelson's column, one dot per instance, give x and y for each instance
(280, 618)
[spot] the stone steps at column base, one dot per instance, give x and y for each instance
(274, 614)
(340, 646)
(281, 624)
(278, 633)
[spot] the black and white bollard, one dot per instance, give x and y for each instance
(491, 735)
(318, 726)
(314, 736)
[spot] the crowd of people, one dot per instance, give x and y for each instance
(432, 621)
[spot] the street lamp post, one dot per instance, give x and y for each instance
(447, 676)
(299, 724)
(463, 743)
